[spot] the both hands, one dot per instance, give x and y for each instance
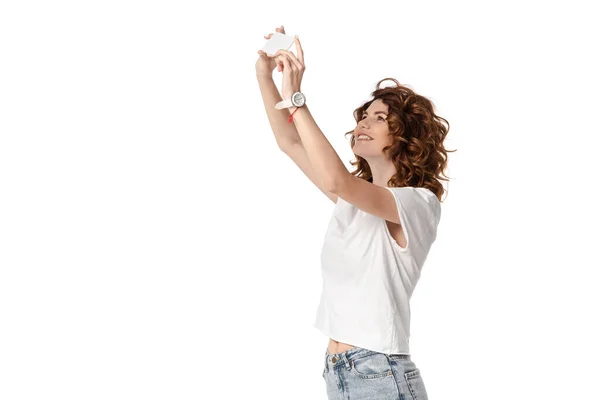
(285, 61)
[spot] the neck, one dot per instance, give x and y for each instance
(382, 171)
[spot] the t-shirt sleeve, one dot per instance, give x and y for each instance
(419, 210)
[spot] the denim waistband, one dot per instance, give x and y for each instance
(344, 358)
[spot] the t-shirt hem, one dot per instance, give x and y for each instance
(358, 343)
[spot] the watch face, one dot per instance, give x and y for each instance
(298, 99)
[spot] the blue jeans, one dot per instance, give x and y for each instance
(360, 373)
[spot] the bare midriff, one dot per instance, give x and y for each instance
(335, 347)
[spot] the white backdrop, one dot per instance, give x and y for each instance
(156, 244)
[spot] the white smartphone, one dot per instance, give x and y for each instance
(279, 41)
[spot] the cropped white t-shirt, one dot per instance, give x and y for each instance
(368, 278)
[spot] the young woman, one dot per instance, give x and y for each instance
(382, 227)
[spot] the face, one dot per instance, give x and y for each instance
(373, 124)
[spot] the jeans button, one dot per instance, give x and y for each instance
(334, 359)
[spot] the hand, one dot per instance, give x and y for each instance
(293, 69)
(265, 65)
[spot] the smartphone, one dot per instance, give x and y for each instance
(279, 41)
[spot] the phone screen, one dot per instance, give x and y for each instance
(278, 41)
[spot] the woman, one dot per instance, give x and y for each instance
(383, 224)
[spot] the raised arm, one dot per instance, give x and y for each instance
(286, 135)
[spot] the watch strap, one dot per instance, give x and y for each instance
(284, 104)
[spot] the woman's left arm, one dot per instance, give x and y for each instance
(372, 199)
(322, 155)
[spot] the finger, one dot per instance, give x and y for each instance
(278, 57)
(292, 57)
(280, 64)
(291, 63)
(279, 61)
(280, 29)
(299, 50)
(287, 65)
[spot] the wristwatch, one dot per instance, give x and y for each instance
(297, 100)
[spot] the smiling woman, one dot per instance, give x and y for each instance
(382, 227)
(404, 130)
(377, 243)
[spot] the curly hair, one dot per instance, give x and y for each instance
(417, 150)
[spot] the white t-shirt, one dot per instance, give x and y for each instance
(368, 278)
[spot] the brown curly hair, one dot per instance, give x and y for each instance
(417, 150)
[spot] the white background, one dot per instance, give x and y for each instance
(156, 244)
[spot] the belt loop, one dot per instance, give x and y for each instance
(346, 361)
(389, 358)
(326, 363)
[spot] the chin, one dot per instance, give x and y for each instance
(368, 155)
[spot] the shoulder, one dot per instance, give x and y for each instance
(419, 199)
(415, 192)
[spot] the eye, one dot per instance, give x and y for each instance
(380, 117)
